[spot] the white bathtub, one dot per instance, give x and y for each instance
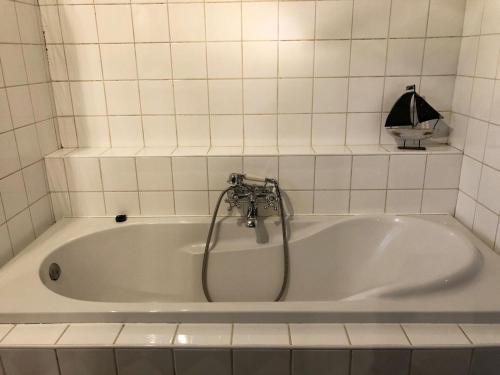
(342, 268)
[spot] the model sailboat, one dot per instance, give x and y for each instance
(410, 119)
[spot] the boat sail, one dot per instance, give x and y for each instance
(409, 119)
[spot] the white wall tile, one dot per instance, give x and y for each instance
(406, 171)
(450, 10)
(226, 130)
(114, 23)
(193, 130)
(225, 96)
(191, 202)
(13, 194)
(157, 203)
(334, 19)
(122, 97)
(118, 203)
(443, 171)
(294, 130)
(408, 18)
(330, 95)
(41, 215)
(475, 140)
(153, 61)
(295, 58)
(489, 188)
(190, 173)
(333, 172)
(328, 129)
(118, 61)
(260, 96)
(367, 201)
(404, 56)
(296, 172)
(125, 131)
(87, 204)
(295, 95)
(150, 22)
(83, 174)
(369, 172)
(35, 182)
(78, 24)
(223, 21)
(154, 173)
(365, 94)
(296, 20)
(365, 25)
(259, 21)
(219, 169)
(118, 174)
(224, 59)
(368, 57)
(439, 201)
(403, 201)
(331, 201)
(187, 22)
(260, 59)
(485, 225)
(21, 231)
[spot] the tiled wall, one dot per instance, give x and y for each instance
(27, 127)
(358, 179)
(476, 120)
(232, 73)
(249, 349)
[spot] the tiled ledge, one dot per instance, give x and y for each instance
(242, 335)
(248, 151)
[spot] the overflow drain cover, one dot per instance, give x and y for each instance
(54, 271)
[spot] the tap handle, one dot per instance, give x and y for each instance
(235, 179)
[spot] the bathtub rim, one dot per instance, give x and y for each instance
(317, 311)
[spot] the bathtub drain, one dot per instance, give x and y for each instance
(54, 271)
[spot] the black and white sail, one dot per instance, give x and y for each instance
(410, 110)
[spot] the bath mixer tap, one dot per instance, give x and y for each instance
(252, 194)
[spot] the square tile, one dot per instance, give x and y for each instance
(154, 173)
(367, 201)
(260, 59)
(296, 172)
(295, 95)
(261, 362)
(376, 335)
(199, 361)
(189, 60)
(91, 334)
(331, 201)
(296, 58)
(153, 61)
(29, 361)
(118, 174)
(150, 23)
(367, 26)
(331, 57)
(435, 334)
(261, 335)
(34, 334)
(118, 61)
(224, 59)
(139, 334)
(189, 173)
(485, 361)
(214, 335)
(373, 362)
(326, 335)
(369, 172)
(368, 57)
(482, 334)
(187, 22)
(144, 361)
(225, 96)
(443, 171)
(157, 203)
(333, 19)
(320, 362)
(86, 361)
(114, 23)
(333, 172)
(122, 203)
(296, 20)
(406, 171)
(223, 21)
(259, 21)
(440, 362)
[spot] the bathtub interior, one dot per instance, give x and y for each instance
(352, 259)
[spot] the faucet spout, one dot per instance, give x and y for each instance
(252, 215)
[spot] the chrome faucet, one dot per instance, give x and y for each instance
(252, 194)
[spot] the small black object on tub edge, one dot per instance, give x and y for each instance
(120, 218)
